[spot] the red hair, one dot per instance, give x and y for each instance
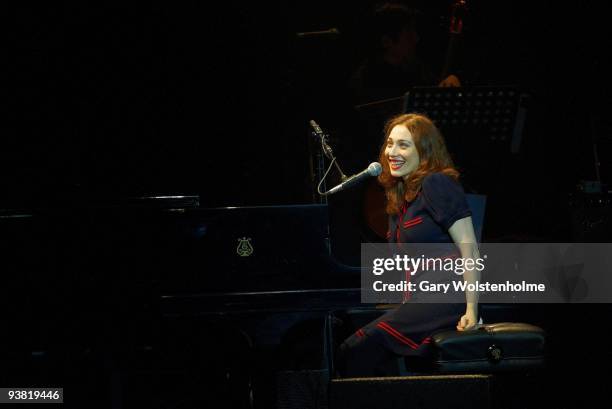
(433, 157)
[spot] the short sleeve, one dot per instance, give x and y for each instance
(444, 199)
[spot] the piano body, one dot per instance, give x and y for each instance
(139, 302)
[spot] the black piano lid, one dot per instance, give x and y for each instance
(264, 248)
(173, 251)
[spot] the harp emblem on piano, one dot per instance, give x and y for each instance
(244, 248)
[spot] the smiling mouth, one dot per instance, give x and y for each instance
(396, 164)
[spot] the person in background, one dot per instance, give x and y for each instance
(393, 67)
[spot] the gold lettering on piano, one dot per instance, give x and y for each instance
(244, 248)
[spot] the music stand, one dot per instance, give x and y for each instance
(495, 113)
(482, 125)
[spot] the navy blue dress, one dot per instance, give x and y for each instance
(439, 204)
(406, 330)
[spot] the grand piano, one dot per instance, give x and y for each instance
(136, 302)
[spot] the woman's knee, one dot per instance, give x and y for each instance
(364, 356)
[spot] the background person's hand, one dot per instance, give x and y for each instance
(450, 81)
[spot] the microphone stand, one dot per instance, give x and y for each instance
(329, 154)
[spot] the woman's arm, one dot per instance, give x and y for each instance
(462, 233)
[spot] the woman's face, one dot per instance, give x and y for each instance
(401, 152)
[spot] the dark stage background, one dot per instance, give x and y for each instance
(114, 100)
(121, 100)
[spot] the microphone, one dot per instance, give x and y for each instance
(374, 169)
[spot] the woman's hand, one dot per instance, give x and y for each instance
(468, 321)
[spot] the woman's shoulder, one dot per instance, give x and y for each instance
(438, 178)
(444, 198)
(439, 185)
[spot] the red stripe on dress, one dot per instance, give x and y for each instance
(397, 335)
(360, 333)
(399, 222)
(407, 293)
(413, 222)
(414, 219)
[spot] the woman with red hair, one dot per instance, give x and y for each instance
(425, 204)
